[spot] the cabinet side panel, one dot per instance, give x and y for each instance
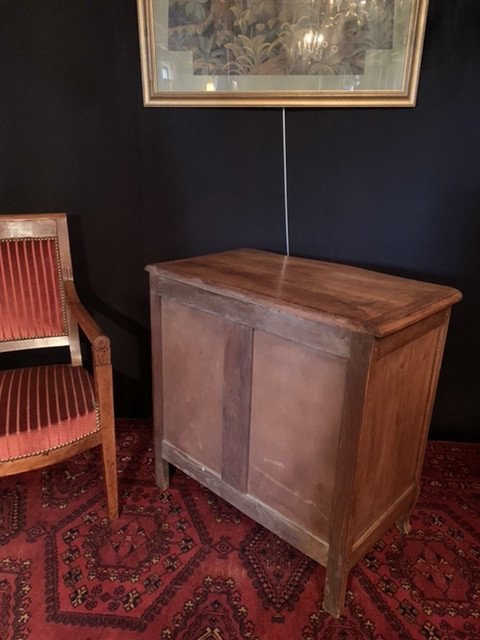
(297, 400)
(193, 356)
(397, 408)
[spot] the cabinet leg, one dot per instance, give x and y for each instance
(162, 473)
(403, 523)
(335, 587)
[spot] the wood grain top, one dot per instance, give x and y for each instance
(356, 299)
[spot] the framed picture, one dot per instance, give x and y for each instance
(281, 53)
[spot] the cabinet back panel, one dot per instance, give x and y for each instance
(297, 400)
(193, 356)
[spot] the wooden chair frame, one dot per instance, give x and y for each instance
(54, 225)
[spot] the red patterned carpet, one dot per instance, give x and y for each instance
(184, 565)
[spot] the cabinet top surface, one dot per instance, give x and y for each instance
(356, 299)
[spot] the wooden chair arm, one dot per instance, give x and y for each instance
(99, 342)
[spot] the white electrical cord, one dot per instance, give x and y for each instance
(285, 183)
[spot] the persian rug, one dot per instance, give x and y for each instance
(184, 565)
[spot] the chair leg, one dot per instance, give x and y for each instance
(109, 460)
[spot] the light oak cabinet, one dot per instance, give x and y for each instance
(300, 391)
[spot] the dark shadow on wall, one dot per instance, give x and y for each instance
(132, 391)
(211, 180)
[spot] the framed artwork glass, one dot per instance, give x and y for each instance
(281, 53)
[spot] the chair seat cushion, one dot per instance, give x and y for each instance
(45, 408)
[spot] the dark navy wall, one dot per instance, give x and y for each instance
(397, 189)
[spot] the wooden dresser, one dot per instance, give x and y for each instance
(300, 391)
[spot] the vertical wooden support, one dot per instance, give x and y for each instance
(341, 534)
(67, 276)
(236, 405)
(109, 452)
(161, 465)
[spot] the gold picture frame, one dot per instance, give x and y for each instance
(281, 53)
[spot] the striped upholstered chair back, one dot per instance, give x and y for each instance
(34, 264)
(49, 413)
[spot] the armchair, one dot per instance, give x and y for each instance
(52, 412)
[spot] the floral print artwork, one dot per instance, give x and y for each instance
(280, 37)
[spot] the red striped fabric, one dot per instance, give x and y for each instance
(30, 294)
(44, 408)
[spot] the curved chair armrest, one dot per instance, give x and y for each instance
(100, 343)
